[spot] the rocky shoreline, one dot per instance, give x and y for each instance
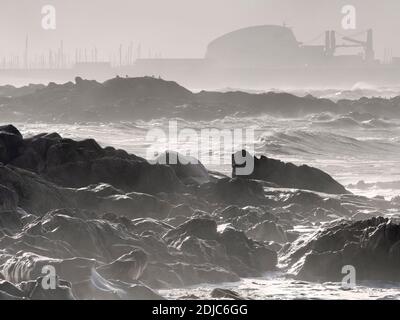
(115, 226)
(146, 98)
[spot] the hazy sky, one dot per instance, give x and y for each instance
(182, 28)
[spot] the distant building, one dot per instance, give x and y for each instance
(259, 46)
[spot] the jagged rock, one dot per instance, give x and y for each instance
(200, 228)
(105, 198)
(34, 194)
(12, 222)
(181, 210)
(289, 175)
(72, 163)
(87, 238)
(26, 266)
(370, 246)
(176, 275)
(126, 174)
(101, 289)
(8, 199)
(11, 290)
(244, 218)
(148, 225)
(231, 249)
(62, 291)
(233, 191)
(127, 268)
(268, 231)
(249, 252)
(219, 293)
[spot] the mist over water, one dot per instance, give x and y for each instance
(316, 92)
(350, 150)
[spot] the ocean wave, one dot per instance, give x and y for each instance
(362, 185)
(327, 144)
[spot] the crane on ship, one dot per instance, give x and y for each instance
(367, 45)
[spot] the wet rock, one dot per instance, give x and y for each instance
(11, 290)
(94, 239)
(268, 231)
(188, 169)
(200, 228)
(8, 199)
(6, 296)
(128, 267)
(370, 246)
(11, 142)
(182, 210)
(77, 164)
(105, 198)
(26, 266)
(10, 129)
(244, 218)
(12, 222)
(289, 175)
(35, 195)
(72, 163)
(179, 274)
(101, 289)
(249, 252)
(36, 291)
(233, 191)
(219, 293)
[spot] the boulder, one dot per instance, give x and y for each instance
(236, 191)
(8, 199)
(268, 231)
(250, 253)
(11, 142)
(188, 169)
(288, 175)
(128, 267)
(219, 293)
(370, 246)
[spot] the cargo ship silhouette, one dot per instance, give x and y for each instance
(257, 56)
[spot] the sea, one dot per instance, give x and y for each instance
(363, 154)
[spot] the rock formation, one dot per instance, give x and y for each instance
(288, 175)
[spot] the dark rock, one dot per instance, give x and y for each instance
(34, 194)
(233, 191)
(105, 198)
(11, 130)
(10, 289)
(219, 293)
(176, 275)
(371, 246)
(188, 169)
(8, 199)
(128, 267)
(182, 210)
(268, 231)
(101, 289)
(249, 252)
(28, 266)
(288, 175)
(200, 228)
(10, 143)
(62, 291)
